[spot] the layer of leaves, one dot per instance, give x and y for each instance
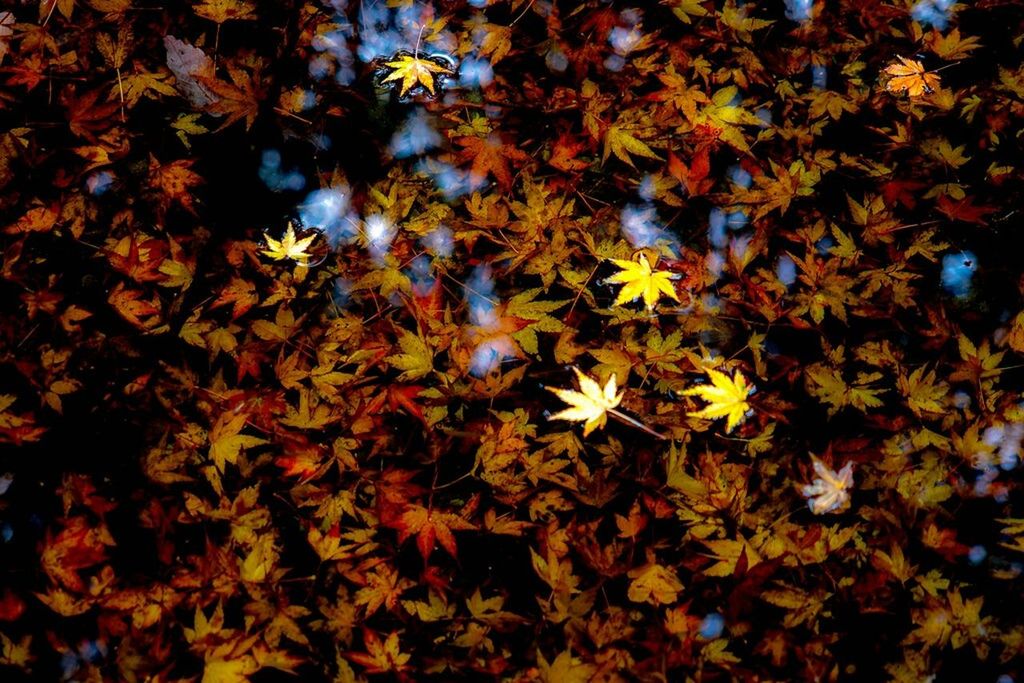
(235, 450)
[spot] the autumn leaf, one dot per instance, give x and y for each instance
(654, 584)
(829, 492)
(620, 141)
(726, 398)
(952, 45)
(226, 442)
(429, 526)
(17, 654)
(731, 555)
(381, 657)
(590, 404)
(910, 77)
(219, 11)
(79, 545)
(641, 281)
(415, 72)
(143, 313)
(490, 155)
(239, 99)
(565, 669)
(289, 246)
(416, 358)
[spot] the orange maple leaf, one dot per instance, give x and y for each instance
(380, 657)
(144, 314)
(175, 181)
(138, 257)
(910, 76)
(490, 155)
(238, 101)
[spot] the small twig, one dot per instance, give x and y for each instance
(522, 14)
(285, 112)
(120, 90)
(53, 6)
(633, 422)
(582, 289)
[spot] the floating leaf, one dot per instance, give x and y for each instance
(590, 404)
(726, 398)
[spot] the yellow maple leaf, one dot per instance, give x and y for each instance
(225, 440)
(219, 11)
(621, 142)
(684, 9)
(15, 653)
(565, 669)
(415, 71)
(726, 398)
(590, 404)
(641, 280)
(910, 76)
(654, 584)
(289, 246)
(951, 46)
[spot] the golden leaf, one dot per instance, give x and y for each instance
(726, 398)
(590, 404)
(289, 246)
(640, 280)
(415, 71)
(910, 77)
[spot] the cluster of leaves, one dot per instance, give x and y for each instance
(237, 447)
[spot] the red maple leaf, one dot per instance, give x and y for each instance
(429, 526)
(964, 210)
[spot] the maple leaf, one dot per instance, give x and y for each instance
(951, 46)
(85, 116)
(144, 314)
(415, 72)
(289, 247)
(726, 397)
(238, 99)
(964, 210)
(175, 181)
(590, 404)
(695, 178)
(641, 281)
(684, 9)
(490, 155)
(17, 429)
(910, 77)
(829, 492)
(219, 11)
(416, 358)
(17, 654)
(381, 657)
(731, 556)
(565, 669)
(620, 141)
(923, 394)
(654, 584)
(430, 525)
(139, 85)
(226, 442)
(78, 546)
